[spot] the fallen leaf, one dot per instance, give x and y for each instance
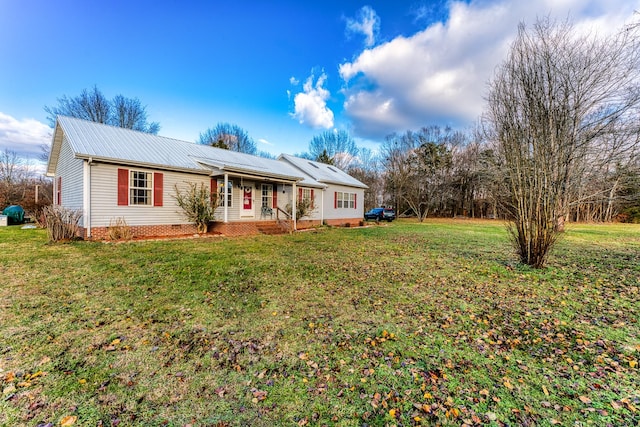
(584, 399)
(69, 420)
(545, 391)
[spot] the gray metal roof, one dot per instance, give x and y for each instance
(123, 146)
(323, 172)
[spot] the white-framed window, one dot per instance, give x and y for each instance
(345, 200)
(267, 195)
(229, 192)
(306, 194)
(140, 187)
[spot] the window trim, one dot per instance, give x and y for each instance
(133, 189)
(125, 187)
(306, 194)
(221, 193)
(266, 194)
(345, 200)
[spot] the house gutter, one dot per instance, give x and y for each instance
(260, 174)
(124, 162)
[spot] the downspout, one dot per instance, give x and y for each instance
(226, 198)
(87, 196)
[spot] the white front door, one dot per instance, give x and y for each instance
(247, 210)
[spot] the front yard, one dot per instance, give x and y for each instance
(400, 324)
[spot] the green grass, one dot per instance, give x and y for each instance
(400, 324)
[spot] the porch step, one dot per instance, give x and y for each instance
(271, 228)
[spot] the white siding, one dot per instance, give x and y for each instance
(330, 212)
(104, 198)
(70, 170)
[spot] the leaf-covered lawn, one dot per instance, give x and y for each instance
(401, 324)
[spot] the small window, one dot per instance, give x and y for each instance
(314, 165)
(306, 194)
(346, 200)
(140, 187)
(267, 196)
(229, 192)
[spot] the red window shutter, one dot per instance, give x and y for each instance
(299, 195)
(355, 200)
(313, 202)
(335, 200)
(158, 179)
(275, 195)
(213, 190)
(59, 192)
(123, 187)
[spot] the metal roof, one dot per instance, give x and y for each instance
(323, 172)
(124, 146)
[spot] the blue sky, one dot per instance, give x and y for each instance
(282, 70)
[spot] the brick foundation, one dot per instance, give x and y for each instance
(247, 228)
(242, 228)
(144, 231)
(344, 222)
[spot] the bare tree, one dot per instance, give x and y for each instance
(556, 103)
(15, 175)
(229, 137)
(92, 105)
(367, 169)
(395, 152)
(129, 113)
(335, 144)
(89, 105)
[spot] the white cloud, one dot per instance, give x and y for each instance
(439, 75)
(310, 106)
(264, 141)
(25, 136)
(294, 81)
(367, 23)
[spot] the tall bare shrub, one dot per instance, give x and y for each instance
(61, 223)
(304, 208)
(198, 204)
(119, 229)
(559, 101)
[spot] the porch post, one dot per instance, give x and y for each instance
(226, 197)
(322, 205)
(294, 198)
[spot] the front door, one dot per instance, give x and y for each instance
(247, 201)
